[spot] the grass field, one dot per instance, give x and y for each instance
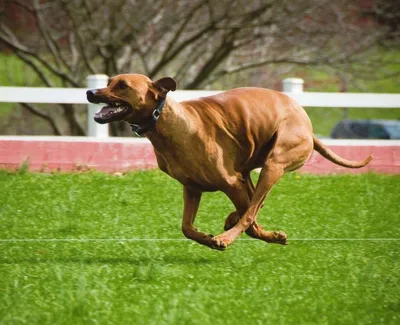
(176, 281)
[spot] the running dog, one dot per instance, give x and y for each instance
(213, 143)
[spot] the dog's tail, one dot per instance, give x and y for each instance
(330, 155)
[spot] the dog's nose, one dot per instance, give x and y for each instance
(91, 96)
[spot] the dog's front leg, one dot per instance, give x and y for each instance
(191, 198)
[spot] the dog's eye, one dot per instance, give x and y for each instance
(122, 84)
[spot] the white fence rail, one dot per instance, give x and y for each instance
(292, 86)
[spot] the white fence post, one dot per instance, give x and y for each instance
(293, 85)
(95, 129)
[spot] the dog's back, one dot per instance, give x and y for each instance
(249, 114)
(243, 121)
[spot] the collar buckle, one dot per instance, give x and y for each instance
(156, 115)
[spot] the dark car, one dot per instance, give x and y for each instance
(366, 129)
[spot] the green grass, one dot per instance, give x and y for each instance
(181, 282)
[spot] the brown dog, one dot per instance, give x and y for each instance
(213, 143)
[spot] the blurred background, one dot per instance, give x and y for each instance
(335, 45)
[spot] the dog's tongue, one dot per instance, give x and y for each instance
(106, 110)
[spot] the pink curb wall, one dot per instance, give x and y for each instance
(127, 154)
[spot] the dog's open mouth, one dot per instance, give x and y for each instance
(113, 111)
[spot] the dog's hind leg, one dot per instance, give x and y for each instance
(256, 231)
(269, 176)
(286, 156)
(231, 220)
(275, 237)
(240, 200)
(240, 197)
(191, 199)
(240, 203)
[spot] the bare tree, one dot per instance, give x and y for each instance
(198, 42)
(387, 13)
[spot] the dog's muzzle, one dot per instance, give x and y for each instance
(115, 109)
(92, 97)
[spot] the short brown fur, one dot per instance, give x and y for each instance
(213, 143)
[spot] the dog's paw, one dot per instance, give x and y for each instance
(280, 238)
(218, 244)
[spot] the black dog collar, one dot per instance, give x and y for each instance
(139, 130)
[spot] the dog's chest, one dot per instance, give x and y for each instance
(184, 170)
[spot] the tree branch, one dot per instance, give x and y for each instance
(17, 47)
(70, 115)
(253, 65)
(47, 37)
(44, 116)
(181, 28)
(179, 49)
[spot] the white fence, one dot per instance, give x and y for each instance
(292, 86)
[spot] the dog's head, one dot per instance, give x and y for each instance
(129, 97)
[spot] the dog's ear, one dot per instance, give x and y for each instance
(162, 86)
(166, 83)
